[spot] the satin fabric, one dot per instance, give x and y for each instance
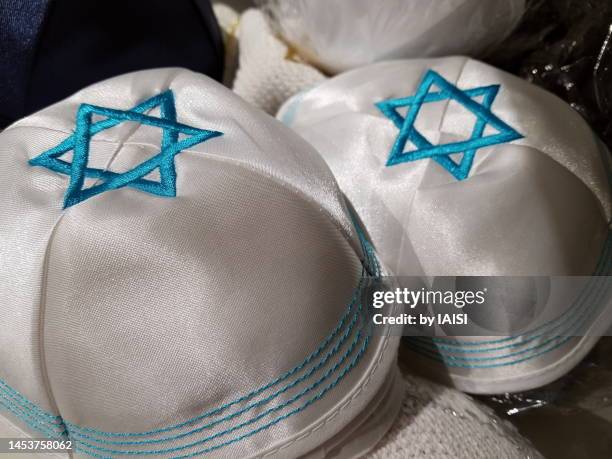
(339, 35)
(537, 206)
(130, 312)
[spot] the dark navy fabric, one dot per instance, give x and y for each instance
(51, 48)
(20, 25)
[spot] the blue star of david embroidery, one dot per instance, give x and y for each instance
(164, 160)
(441, 153)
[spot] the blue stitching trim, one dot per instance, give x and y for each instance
(577, 311)
(76, 429)
(573, 328)
(601, 269)
(326, 375)
(261, 402)
(31, 406)
(441, 153)
(36, 424)
(257, 418)
(85, 130)
(565, 317)
(319, 365)
(37, 412)
(297, 410)
(372, 265)
(260, 416)
(215, 411)
(448, 360)
(243, 398)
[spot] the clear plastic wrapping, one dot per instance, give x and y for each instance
(570, 418)
(339, 35)
(565, 46)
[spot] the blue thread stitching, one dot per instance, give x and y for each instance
(12, 392)
(261, 402)
(248, 408)
(577, 311)
(441, 153)
(296, 397)
(601, 269)
(445, 358)
(374, 267)
(371, 262)
(329, 372)
(369, 251)
(313, 386)
(164, 160)
(265, 413)
(32, 420)
(297, 410)
(34, 423)
(573, 328)
(567, 316)
(21, 402)
(213, 412)
(218, 410)
(547, 327)
(246, 397)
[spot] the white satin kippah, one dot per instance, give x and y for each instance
(460, 169)
(343, 34)
(179, 276)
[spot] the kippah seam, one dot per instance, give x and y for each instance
(350, 240)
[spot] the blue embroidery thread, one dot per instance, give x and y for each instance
(441, 153)
(79, 143)
(342, 325)
(47, 423)
(36, 418)
(233, 440)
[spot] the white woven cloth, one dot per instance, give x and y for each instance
(228, 19)
(437, 422)
(269, 72)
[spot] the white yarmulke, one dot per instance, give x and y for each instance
(343, 34)
(460, 169)
(179, 277)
